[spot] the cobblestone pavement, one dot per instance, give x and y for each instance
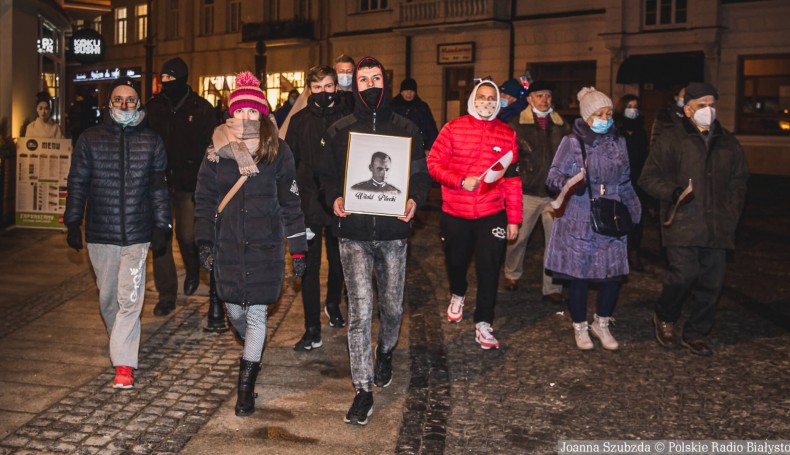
(454, 397)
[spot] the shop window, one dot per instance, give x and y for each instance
(120, 25)
(665, 12)
(279, 84)
(207, 17)
(764, 102)
(172, 19)
(141, 11)
(234, 16)
(569, 78)
(372, 5)
(217, 88)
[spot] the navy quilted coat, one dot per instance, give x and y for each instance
(111, 172)
(575, 249)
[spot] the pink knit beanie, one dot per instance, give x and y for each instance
(248, 94)
(590, 100)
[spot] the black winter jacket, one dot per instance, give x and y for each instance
(420, 113)
(536, 149)
(719, 174)
(305, 137)
(186, 127)
(119, 173)
(247, 237)
(380, 120)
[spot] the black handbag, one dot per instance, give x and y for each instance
(608, 217)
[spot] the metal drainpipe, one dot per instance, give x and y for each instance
(511, 64)
(408, 57)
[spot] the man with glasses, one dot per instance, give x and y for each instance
(118, 171)
(185, 121)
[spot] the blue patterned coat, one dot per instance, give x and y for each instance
(575, 249)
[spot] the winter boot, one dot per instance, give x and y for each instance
(600, 330)
(216, 310)
(583, 341)
(248, 374)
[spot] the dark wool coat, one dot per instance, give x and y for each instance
(247, 238)
(536, 149)
(575, 249)
(186, 126)
(305, 137)
(420, 113)
(719, 173)
(119, 173)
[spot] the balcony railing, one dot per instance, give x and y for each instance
(265, 31)
(430, 12)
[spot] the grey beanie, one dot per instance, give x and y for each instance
(590, 100)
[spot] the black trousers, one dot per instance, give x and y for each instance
(486, 239)
(182, 207)
(696, 274)
(311, 281)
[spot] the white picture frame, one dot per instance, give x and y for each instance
(377, 174)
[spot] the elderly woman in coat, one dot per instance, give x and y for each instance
(576, 252)
(243, 244)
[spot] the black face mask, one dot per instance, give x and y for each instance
(323, 100)
(371, 97)
(175, 90)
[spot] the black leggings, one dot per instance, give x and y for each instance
(577, 298)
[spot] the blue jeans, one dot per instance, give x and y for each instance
(387, 258)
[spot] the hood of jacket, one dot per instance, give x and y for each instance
(361, 109)
(470, 103)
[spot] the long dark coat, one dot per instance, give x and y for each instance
(575, 249)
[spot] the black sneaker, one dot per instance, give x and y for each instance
(361, 408)
(310, 340)
(163, 308)
(382, 373)
(332, 311)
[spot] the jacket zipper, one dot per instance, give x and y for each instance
(374, 121)
(123, 185)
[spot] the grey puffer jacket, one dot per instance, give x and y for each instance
(718, 170)
(119, 173)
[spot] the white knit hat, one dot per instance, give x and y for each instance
(590, 100)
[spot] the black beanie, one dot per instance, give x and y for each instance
(128, 81)
(176, 67)
(697, 90)
(408, 84)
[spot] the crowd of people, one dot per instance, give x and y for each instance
(241, 188)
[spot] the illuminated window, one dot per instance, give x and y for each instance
(234, 16)
(207, 17)
(217, 88)
(764, 102)
(141, 11)
(97, 24)
(665, 12)
(372, 5)
(279, 84)
(120, 25)
(172, 19)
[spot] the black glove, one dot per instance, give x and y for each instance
(204, 253)
(299, 265)
(74, 236)
(676, 195)
(159, 239)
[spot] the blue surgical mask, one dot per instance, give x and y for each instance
(503, 102)
(601, 126)
(123, 117)
(344, 80)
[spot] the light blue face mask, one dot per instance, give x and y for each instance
(344, 80)
(503, 102)
(123, 117)
(601, 126)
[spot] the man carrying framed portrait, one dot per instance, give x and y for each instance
(373, 229)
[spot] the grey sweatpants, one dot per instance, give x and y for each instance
(360, 258)
(120, 277)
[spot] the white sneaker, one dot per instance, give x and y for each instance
(582, 333)
(600, 330)
(455, 312)
(484, 335)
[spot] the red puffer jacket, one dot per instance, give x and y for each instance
(468, 146)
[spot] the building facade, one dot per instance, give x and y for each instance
(645, 47)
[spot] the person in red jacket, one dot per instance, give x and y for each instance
(480, 212)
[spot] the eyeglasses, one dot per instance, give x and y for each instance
(130, 101)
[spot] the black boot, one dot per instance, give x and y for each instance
(248, 374)
(216, 310)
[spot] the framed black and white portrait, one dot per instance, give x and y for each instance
(377, 174)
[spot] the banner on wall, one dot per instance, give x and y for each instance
(41, 178)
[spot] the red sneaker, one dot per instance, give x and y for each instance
(124, 378)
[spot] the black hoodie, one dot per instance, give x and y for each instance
(378, 119)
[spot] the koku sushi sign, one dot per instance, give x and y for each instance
(87, 46)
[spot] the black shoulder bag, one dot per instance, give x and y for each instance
(609, 217)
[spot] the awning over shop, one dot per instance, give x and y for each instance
(663, 69)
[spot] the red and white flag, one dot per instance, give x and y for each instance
(497, 170)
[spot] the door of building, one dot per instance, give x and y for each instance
(457, 87)
(653, 99)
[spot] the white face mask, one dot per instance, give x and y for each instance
(124, 117)
(542, 114)
(344, 80)
(704, 117)
(631, 113)
(680, 102)
(485, 108)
